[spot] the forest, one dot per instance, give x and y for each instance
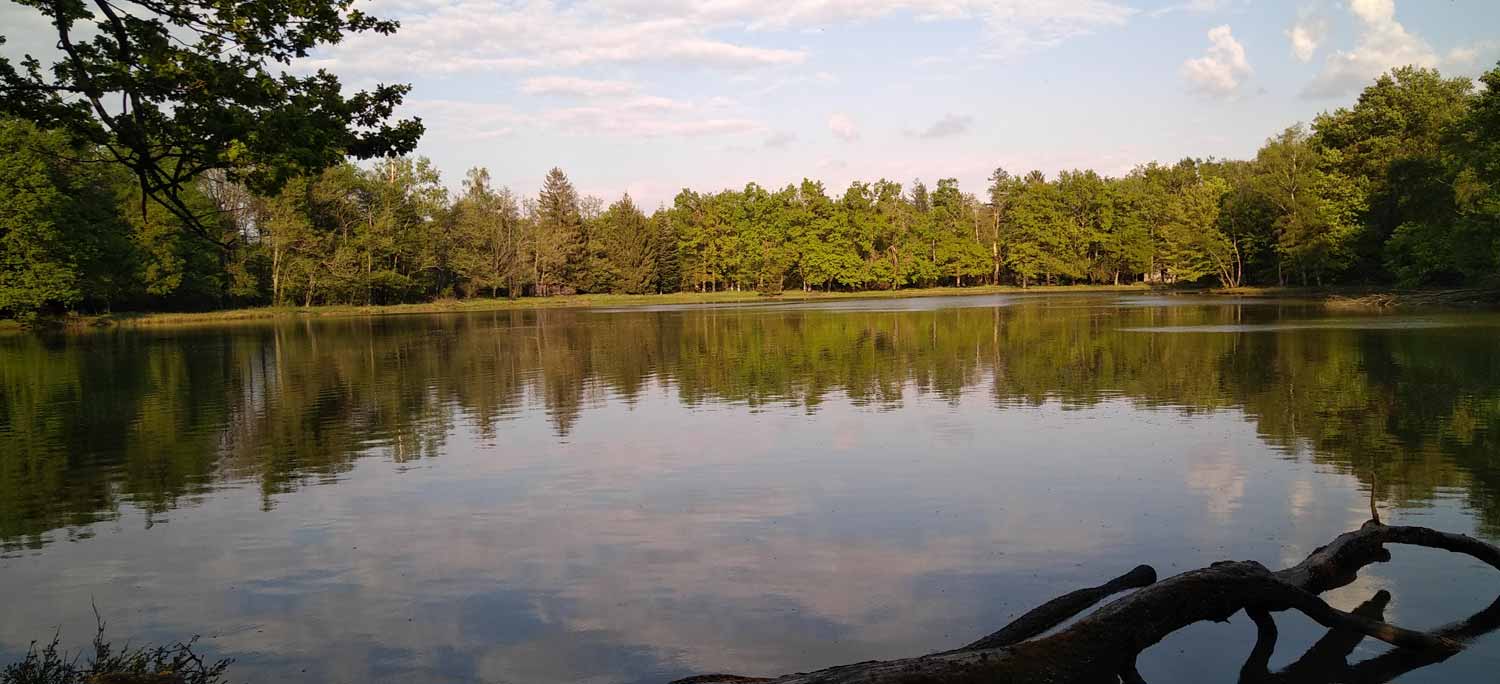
(1399, 188)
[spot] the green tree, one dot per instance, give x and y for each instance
(668, 260)
(629, 248)
(172, 89)
(958, 253)
(487, 223)
(1087, 209)
(1034, 215)
(1388, 150)
(61, 242)
(557, 239)
(1193, 245)
(1450, 208)
(1314, 210)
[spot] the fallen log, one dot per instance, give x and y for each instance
(1102, 646)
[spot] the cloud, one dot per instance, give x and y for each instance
(948, 126)
(644, 123)
(577, 87)
(1016, 26)
(1383, 43)
(463, 36)
(1306, 35)
(843, 127)
(653, 103)
(1195, 7)
(1222, 69)
(465, 120)
(643, 116)
(821, 78)
(1471, 55)
(780, 139)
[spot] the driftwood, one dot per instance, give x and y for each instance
(1102, 646)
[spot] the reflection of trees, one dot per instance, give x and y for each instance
(147, 418)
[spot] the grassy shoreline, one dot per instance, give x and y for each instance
(586, 301)
(1342, 297)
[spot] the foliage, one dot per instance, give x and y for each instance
(172, 89)
(628, 247)
(169, 664)
(1388, 152)
(1396, 188)
(61, 243)
(557, 244)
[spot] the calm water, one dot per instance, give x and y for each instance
(638, 495)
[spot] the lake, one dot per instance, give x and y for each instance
(637, 495)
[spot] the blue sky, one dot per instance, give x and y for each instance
(649, 96)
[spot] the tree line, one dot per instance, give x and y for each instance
(1399, 187)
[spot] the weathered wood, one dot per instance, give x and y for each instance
(1061, 609)
(1102, 646)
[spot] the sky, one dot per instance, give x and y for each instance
(651, 96)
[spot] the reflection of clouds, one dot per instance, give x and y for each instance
(1300, 499)
(1221, 482)
(758, 545)
(525, 562)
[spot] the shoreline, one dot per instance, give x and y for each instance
(80, 322)
(1334, 297)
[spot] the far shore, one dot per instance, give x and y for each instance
(1341, 297)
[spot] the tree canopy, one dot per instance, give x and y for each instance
(173, 89)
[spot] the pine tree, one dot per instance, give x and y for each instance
(668, 259)
(557, 247)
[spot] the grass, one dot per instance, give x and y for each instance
(265, 313)
(1334, 296)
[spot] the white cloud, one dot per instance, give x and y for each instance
(644, 123)
(1383, 43)
(780, 139)
(821, 78)
(578, 87)
(1306, 35)
(1465, 54)
(653, 103)
(1472, 55)
(459, 36)
(465, 120)
(643, 116)
(843, 127)
(1033, 21)
(933, 61)
(1195, 7)
(1222, 69)
(1020, 25)
(948, 126)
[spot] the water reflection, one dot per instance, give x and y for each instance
(635, 495)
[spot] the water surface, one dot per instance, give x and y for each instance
(639, 495)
